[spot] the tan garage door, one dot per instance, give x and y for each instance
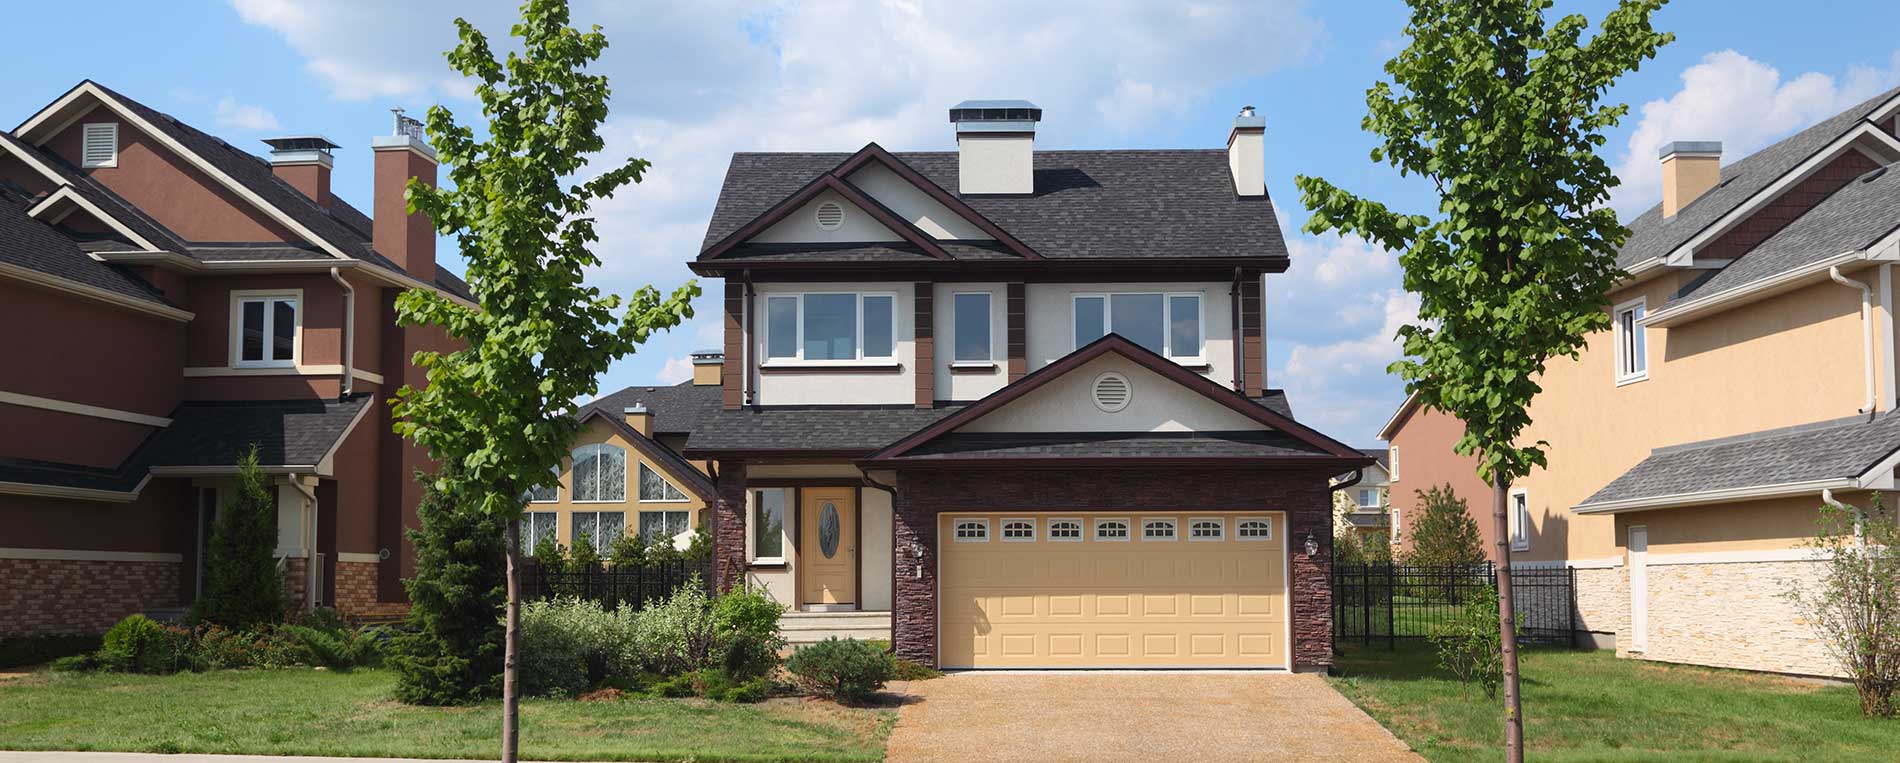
(1177, 590)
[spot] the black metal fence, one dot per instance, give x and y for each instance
(611, 586)
(1388, 602)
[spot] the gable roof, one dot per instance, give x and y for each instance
(1087, 205)
(1850, 453)
(676, 409)
(1300, 442)
(32, 246)
(676, 466)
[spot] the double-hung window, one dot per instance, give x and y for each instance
(600, 474)
(264, 329)
(600, 528)
(842, 326)
(1368, 498)
(971, 314)
(1168, 324)
(1632, 351)
(768, 525)
(1520, 521)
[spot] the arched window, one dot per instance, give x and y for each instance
(971, 530)
(1065, 530)
(600, 473)
(1111, 529)
(1019, 530)
(1254, 529)
(1206, 528)
(1157, 529)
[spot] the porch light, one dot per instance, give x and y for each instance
(1312, 545)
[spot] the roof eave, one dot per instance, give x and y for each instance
(1707, 497)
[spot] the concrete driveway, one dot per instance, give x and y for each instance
(1199, 717)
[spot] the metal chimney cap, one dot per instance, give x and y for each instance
(975, 114)
(300, 143)
(1249, 119)
(635, 408)
(1690, 148)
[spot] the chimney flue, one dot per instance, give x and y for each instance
(1689, 169)
(406, 239)
(996, 142)
(1247, 153)
(304, 161)
(708, 365)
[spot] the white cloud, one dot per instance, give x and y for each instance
(676, 370)
(244, 116)
(1744, 103)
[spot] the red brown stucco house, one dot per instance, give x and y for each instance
(171, 300)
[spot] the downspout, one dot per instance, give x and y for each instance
(1240, 353)
(349, 334)
(1866, 332)
(745, 350)
(1860, 520)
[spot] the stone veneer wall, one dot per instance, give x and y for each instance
(1603, 597)
(728, 525)
(67, 596)
(1731, 615)
(922, 495)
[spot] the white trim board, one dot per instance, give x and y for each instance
(77, 555)
(56, 283)
(81, 409)
(320, 369)
(1758, 556)
(1605, 563)
(68, 194)
(74, 493)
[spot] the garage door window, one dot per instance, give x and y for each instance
(1157, 529)
(1202, 528)
(972, 531)
(1019, 530)
(1111, 529)
(1065, 531)
(1255, 529)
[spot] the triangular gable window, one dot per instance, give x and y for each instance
(655, 488)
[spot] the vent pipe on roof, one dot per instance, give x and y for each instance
(996, 142)
(1689, 169)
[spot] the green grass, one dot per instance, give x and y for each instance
(311, 712)
(1591, 706)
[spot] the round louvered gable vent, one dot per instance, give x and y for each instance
(830, 215)
(1111, 392)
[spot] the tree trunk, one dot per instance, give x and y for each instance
(511, 650)
(1507, 623)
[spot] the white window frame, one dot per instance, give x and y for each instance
(1167, 320)
(528, 538)
(1628, 374)
(989, 324)
(1398, 529)
(753, 521)
(1220, 529)
(1128, 529)
(85, 137)
(1174, 529)
(1081, 531)
(1002, 532)
(640, 480)
(1520, 519)
(602, 547)
(1392, 464)
(574, 493)
(798, 343)
(267, 296)
(956, 529)
(1368, 491)
(557, 490)
(1240, 527)
(638, 513)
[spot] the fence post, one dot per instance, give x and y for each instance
(1391, 608)
(1365, 586)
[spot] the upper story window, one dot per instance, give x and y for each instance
(99, 145)
(546, 493)
(654, 487)
(1392, 464)
(971, 313)
(1169, 324)
(1368, 498)
(600, 473)
(1520, 521)
(1632, 350)
(265, 329)
(829, 326)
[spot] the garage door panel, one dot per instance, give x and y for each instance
(1089, 603)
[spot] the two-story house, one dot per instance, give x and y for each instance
(1747, 379)
(173, 301)
(1015, 398)
(1360, 501)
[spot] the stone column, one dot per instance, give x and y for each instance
(729, 525)
(1309, 511)
(914, 590)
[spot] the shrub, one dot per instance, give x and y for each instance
(569, 645)
(1854, 606)
(745, 620)
(18, 651)
(677, 634)
(1468, 642)
(847, 670)
(243, 587)
(1443, 531)
(75, 663)
(629, 551)
(452, 652)
(583, 558)
(700, 548)
(138, 644)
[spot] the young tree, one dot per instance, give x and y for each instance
(1501, 110)
(451, 654)
(243, 586)
(500, 410)
(1443, 531)
(1855, 604)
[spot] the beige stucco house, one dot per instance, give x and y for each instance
(1748, 377)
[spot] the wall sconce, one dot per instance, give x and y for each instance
(916, 550)
(1312, 545)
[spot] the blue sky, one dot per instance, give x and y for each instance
(697, 81)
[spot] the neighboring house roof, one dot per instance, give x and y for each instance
(677, 409)
(1174, 203)
(33, 245)
(1382, 455)
(1841, 454)
(1652, 235)
(676, 467)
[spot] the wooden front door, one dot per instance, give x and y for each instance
(828, 546)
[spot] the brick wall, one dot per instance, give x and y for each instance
(922, 495)
(62, 596)
(295, 581)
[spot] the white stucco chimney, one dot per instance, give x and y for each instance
(996, 142)
(1247, 153)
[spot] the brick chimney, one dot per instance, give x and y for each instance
(996, 146)
(304, 161)
(408, 240)
(1247, 153)
(1689, 169)
(707, 365)
(640, 418)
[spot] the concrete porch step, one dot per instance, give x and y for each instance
(813, 627)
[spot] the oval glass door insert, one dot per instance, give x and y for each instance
(828, 530)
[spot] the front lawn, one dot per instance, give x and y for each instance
(1591, 706)
(314, 712)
